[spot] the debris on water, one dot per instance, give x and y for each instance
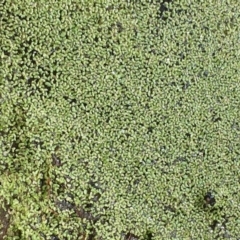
(210, 199)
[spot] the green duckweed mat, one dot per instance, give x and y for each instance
(118, 118)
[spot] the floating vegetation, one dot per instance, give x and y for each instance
(117, 117)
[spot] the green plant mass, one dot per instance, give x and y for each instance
(119, 119)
